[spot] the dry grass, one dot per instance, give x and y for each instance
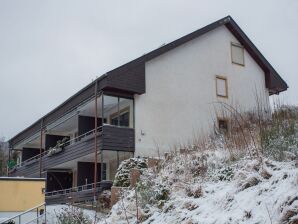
(254, 133)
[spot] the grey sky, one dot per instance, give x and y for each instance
(51, 49)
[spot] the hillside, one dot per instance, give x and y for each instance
(246, 175)
(242, 191)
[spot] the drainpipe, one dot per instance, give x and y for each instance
(117, 159)
(9, 151)
(95, 144)
(102, 139)
(40, 148)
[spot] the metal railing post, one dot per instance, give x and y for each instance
(37, 216)
(45, 213)
(95, 142)
(40, 148)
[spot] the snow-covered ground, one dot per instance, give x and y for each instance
(210, 188)
(54, 210)
(25, 218)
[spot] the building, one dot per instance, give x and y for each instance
(164, 98)
(21, 194)
(18, 195)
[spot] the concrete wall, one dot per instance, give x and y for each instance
(20, 194)
(179, 103)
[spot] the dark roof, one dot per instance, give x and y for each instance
(136, 68)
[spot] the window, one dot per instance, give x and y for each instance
(118, 111)
(221, 86)
(123, 118)
(222, 125)
(237, 53)
(114, 121)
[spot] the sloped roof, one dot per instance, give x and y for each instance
(274, 82)
(135, 70)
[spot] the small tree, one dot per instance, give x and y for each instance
(3, 157)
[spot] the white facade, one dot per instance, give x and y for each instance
(180, 99)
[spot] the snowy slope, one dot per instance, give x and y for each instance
(210, 188)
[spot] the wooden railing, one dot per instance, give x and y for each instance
(69, 142)
(109, 138)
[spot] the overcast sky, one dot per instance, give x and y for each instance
(51, 49)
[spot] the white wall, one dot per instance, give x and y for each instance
(181, 92)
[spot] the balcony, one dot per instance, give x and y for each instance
(109, 137)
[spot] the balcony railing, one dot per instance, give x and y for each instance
(69, 142)
(77, 194)
(109, 138)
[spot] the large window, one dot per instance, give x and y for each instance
(118, 111)
(237, 54)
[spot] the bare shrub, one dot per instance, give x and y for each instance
(279, 135)
(72, 215)
(258, 133)
(194, 191)
(104, 200)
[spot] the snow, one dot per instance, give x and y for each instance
(255, 190)
(53, 210)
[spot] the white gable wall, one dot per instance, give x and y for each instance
(181, 92)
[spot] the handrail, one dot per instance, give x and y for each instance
(25, 212)
(37, 218)
(73, 189)
(63, 144)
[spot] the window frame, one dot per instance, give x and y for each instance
(227, 122)
(130, 110)
(226, 86)
(233, 44)
(118, 114)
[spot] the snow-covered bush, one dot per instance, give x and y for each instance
(224, 174)
(151, 192)
(122, 177)
(72, 215)
(59, 147)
